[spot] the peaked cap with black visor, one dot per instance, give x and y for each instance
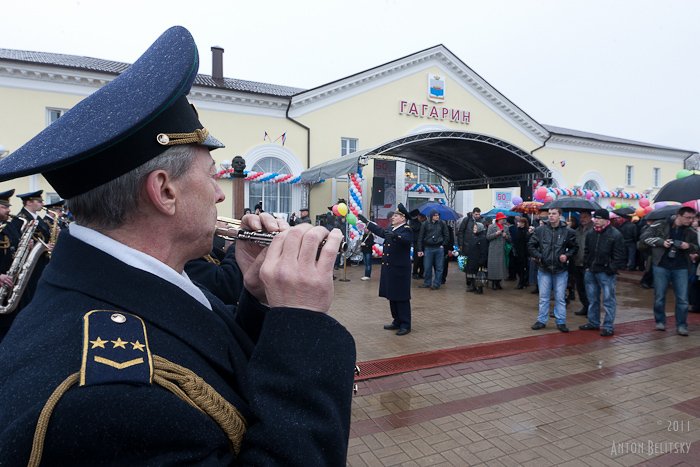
(121, 126)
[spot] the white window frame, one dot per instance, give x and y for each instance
(656, 176)
(629, 175)
(346, 146)
(53, 114)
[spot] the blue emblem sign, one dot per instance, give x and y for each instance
(436, 88)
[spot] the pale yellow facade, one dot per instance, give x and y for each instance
(306, 128)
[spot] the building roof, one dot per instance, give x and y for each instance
(608, 139)
(111, 67)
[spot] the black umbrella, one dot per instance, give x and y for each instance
(681, 190)
(625, 212)
(573, 203)
(662, 213)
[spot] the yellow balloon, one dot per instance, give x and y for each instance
(342, 209)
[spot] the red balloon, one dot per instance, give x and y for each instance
(644, 202)
(541, 192)
(335, 210)
(548, 199)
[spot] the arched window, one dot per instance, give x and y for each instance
(275, 197)
(591, 185)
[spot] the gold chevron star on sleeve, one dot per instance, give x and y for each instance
(98, 343)
(119, 343)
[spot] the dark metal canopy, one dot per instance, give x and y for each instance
(469, 161)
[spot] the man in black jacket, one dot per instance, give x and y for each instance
(433, 239)
(671, 243)
(604, 255)
(552, 245)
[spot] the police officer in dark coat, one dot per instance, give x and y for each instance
(126, 360)
(395, 281)
(9, 238)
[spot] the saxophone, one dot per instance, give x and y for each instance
(20, 271)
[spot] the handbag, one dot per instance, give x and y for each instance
(480, 279)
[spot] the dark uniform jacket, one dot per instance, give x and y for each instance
(222, 277)
(395, 281)
(9, 239)
(288, 371)
(604, 251)
(42, 233)
(548, 243)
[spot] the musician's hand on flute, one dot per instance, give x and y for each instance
(295, 273)
(250, 255)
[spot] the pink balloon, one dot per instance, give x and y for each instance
(335, 210)
(648, 209)
(548, 199)
(644, 202)
(541, 192)
(589, 195)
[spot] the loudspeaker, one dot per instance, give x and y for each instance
(526, 190)
(377, 191)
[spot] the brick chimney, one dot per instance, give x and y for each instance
(217, 63)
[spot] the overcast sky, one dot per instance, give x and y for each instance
(625, 68)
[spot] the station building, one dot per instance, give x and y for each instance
(424, 126)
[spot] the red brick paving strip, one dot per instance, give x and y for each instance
(404, 363)
(415, 416)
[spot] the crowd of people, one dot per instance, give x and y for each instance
(580, 255)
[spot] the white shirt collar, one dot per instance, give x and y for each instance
(138, 260)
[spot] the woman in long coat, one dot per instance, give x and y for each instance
(497, 235)
(395, 280)
(477, 250)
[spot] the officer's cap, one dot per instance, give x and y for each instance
(121, 126)
(5, 197)
(32, 195)
(55, 204)
(401, 209)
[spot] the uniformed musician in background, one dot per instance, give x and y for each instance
(32, 204)
(55, 219)
(9, 238)
(395, 279)
(127, 361)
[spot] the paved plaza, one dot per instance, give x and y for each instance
(474, 385)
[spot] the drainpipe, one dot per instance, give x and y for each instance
(308, 149)
(308, 134)
(543, 145)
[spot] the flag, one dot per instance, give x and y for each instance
(284, 137)
(266, 137)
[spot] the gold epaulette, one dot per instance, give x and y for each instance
(115, 350)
